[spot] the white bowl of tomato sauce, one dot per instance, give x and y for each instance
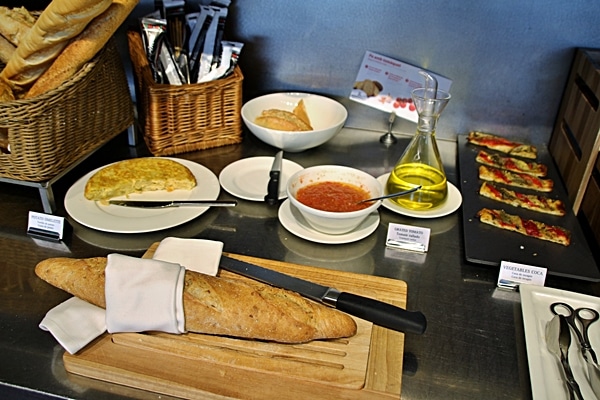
(327, 196)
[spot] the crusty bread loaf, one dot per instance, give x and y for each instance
(6, 93)
(217, 305)
(14, 23)
(138, 175)
(300, 112)
(83, 48)
(59, 22)
(281, 120)
(7, 49)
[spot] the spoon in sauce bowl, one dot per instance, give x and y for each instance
(397, 194)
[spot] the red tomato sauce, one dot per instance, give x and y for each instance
(333, 196)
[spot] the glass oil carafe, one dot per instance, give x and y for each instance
(421, 164)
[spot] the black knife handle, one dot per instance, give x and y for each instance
(272, 196)
(382, 314)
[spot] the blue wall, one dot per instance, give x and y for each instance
(509, 60)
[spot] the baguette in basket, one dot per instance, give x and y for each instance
(59, 22)
(14, 23)
(65, 36)
(83, 48)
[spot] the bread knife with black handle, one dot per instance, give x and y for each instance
(375, 311)
(272, 196)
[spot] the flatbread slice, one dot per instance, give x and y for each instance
(503, 145)
(534, 202)
(536, 229)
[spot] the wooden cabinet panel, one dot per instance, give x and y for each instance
(575, 140)
(590, 205)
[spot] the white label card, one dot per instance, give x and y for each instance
(45, 226)
(513, 274)
(408, 237)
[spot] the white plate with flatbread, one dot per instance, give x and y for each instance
(118, 219)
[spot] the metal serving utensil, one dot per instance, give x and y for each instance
(387, 196)
(173, 203)
(583, 316)
(558, 341)
(580, 320)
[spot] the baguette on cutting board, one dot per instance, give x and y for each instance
(59, 22)
(217, 305)
(83, 48)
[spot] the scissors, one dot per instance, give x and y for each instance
(585, 317)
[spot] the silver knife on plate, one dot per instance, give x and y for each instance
(173, 203)
(375, 311)
(558, 341)
(272, 196)
(593, 375)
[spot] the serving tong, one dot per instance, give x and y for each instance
(558, 337)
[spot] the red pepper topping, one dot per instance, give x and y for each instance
(500, 175)
(509, 164)
(531, 228)
(532, 179)
(485, 156)
(495, 191)
(524, 199)
(559, 232)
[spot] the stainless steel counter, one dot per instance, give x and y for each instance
(473, 348)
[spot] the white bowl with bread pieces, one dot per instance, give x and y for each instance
(281, 119)
(325, 196)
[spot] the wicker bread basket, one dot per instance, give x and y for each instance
(183, 118)
(50, 132)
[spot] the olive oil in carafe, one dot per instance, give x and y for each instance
(420, 164)
(406, 176)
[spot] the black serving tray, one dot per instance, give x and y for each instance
(488, 245)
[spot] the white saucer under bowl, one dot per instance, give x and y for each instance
(452, 203)
(294, 222)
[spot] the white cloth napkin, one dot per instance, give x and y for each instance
(143, 295)
(74, 323)
(197, 255)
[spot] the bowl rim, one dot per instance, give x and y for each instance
(334, 214)
(335, 103)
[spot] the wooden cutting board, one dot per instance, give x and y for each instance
(365, 366)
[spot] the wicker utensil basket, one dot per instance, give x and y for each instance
(49, 133)
(183, 118)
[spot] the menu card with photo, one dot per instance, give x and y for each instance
(386, 84)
